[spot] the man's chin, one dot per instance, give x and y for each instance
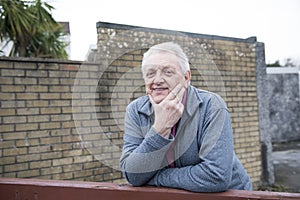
(158, 99)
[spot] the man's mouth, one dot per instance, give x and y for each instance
(160, 89)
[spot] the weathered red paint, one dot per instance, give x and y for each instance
(35, 189)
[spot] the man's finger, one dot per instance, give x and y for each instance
(148, 91)
(173, 93)
(177, 89)
(181, 93)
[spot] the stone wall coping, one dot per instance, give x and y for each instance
(100, 24)
(283, 70)
(44, 60)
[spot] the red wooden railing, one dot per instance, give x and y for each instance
(35, 189)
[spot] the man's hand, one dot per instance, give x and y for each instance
(169, 111)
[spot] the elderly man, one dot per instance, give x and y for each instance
(179, 136)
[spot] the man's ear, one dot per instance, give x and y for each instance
(187, 76)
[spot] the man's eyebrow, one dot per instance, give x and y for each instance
(151, 67)
(170, 66)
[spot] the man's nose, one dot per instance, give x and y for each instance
(158, 78)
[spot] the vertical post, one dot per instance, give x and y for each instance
(263, 111)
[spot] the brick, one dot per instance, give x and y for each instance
(36, 73)
(7, 160)
(12, 104)
(60, 103)
(68, 110)
(38, 134)
(14, 135)
(72, 138)
(14, 151)
(82, 159)
(59, 89)
(25, 81)
(103, 170)
(27, 142)
(6, 80)
(27, 96)
(72, 153)
(9, 175)
(66, 117)
(60, 132)
(27, 127)
(7, 144)
(51, 170)
(28, 158)
(59, 74)
(82, 74)
(28, 173)
(50, 140)
(51, 155)
(12, 72)
(40, 149)
(12, 88)
(16, 167)
(25, 65)
(67, 81)
(91, 83)
(92, 165)
(62, 146)
(83, 173)
(37, 88)
(48, 66)
(50, 110)
(14, 119)
(7, 96)
(63, 176)
(73, 167)
(68, 124)
(49, 125)
(37, 103)
(38, 118)
(66, 95)
(62, 161)
(111, 176)
(48, 81)
(50, 95)
(40, 164)
(6, 64)
(27, 111)
(7, 112)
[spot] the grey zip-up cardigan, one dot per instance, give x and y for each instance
(204, 153)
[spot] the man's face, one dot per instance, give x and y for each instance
(162, 74)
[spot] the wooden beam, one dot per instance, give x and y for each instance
(36, 189)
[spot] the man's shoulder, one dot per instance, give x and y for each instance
(138, 103)
(208, 97)
(204, 93)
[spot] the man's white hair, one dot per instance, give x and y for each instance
(172, 48)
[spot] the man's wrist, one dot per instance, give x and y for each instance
(165, 132)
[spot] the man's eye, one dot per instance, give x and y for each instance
(150, 74)
(168, 72)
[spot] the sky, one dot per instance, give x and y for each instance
(276, 23)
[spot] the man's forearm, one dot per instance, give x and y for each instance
(140, 162)
(198, 178)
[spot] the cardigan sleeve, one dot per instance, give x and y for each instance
(142, 156)
(214, 172)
